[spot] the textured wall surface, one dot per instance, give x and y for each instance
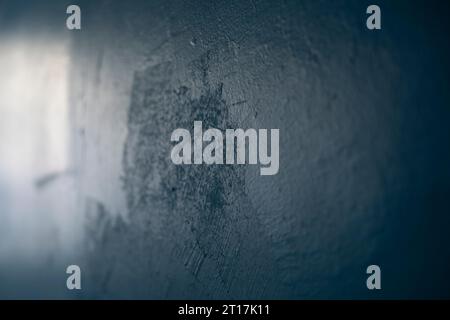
(364, 149)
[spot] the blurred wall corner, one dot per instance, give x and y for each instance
(39, 226)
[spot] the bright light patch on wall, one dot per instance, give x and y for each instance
(35, 203)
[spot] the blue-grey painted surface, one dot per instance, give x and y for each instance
(364, 149)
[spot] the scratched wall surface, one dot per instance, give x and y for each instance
(364, 149)
(364, 175)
